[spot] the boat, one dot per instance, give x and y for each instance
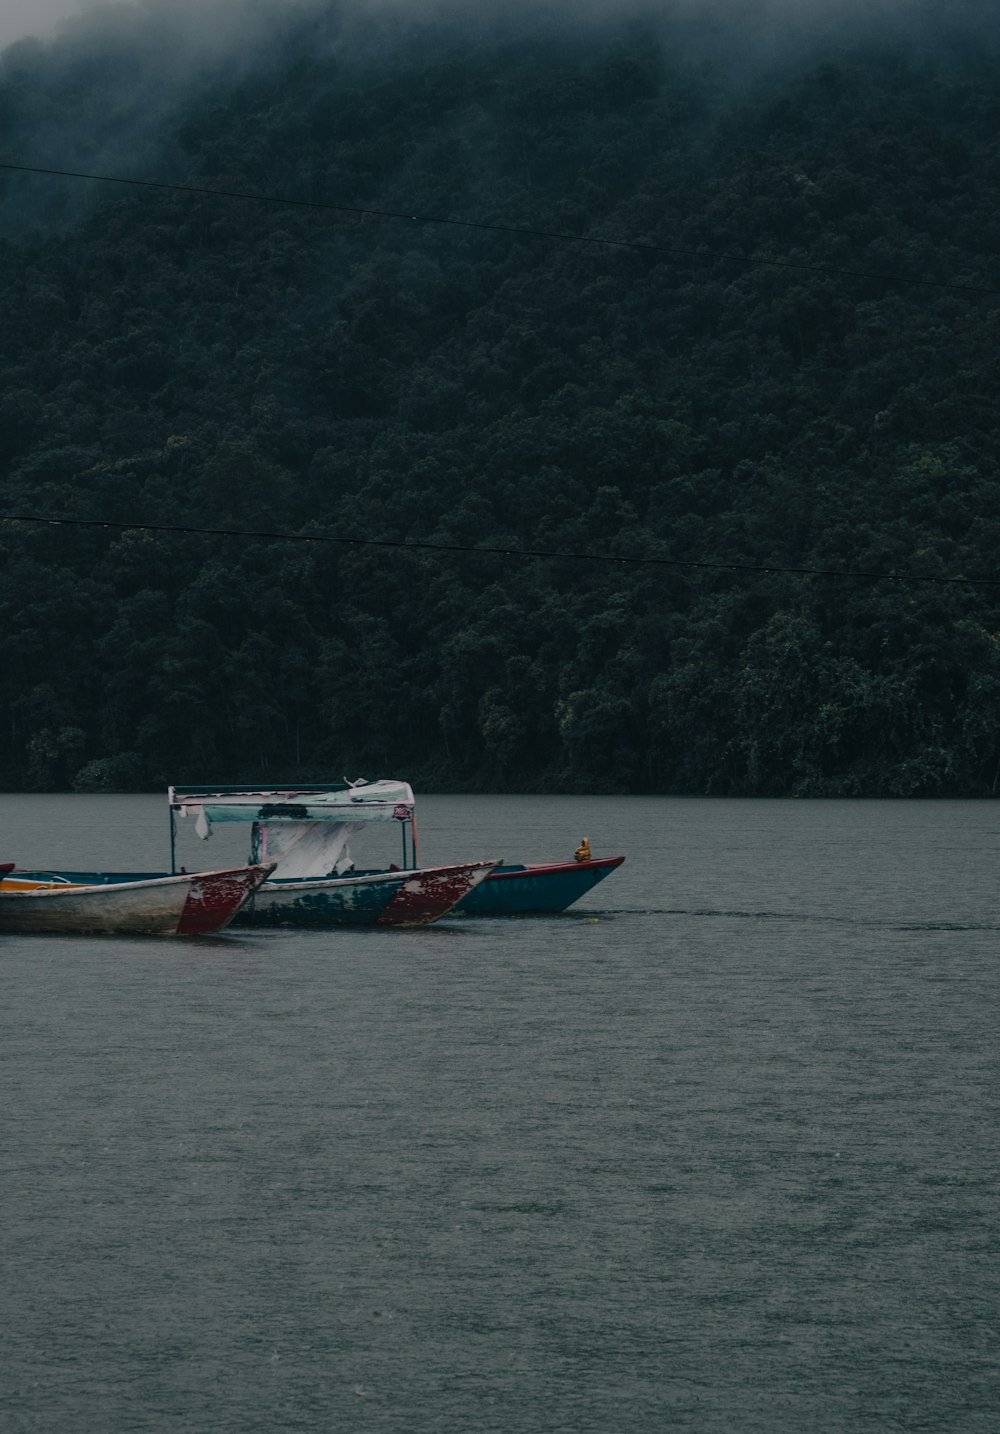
(303, 834)
(306, 830)
(183, 905)
(381, 898)
(542, 889)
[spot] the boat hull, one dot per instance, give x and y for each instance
(403, 898)
(188, 905)
(539, 890)
(386, 898)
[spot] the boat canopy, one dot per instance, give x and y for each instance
(305, 830)
(359, 801)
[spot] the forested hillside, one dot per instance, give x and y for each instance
(175, 359)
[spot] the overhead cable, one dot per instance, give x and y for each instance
(551, 554)
(641, 246)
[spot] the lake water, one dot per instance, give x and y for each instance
(715, 1151)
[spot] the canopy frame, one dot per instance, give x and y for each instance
(364, 801)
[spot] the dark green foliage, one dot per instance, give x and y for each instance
(174, 359)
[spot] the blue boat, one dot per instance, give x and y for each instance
(541, 890)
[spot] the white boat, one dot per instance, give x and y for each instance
(187, 905)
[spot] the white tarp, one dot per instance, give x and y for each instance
(304, 849)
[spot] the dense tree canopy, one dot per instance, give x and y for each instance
(170, 358)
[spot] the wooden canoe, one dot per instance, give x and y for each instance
(188, 905)
(387, 898)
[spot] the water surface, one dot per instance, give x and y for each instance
(717, 1150)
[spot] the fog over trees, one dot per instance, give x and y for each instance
(172, 358)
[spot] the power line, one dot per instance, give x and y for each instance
(637, 245)
(609, 559)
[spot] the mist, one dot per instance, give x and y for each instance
(38, 18)
(137, 59)
(229, 21)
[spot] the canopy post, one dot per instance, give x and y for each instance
(173, 843)
(414, 844)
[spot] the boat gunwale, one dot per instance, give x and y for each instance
(370, 878)
(83, 888)
(549, 867)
